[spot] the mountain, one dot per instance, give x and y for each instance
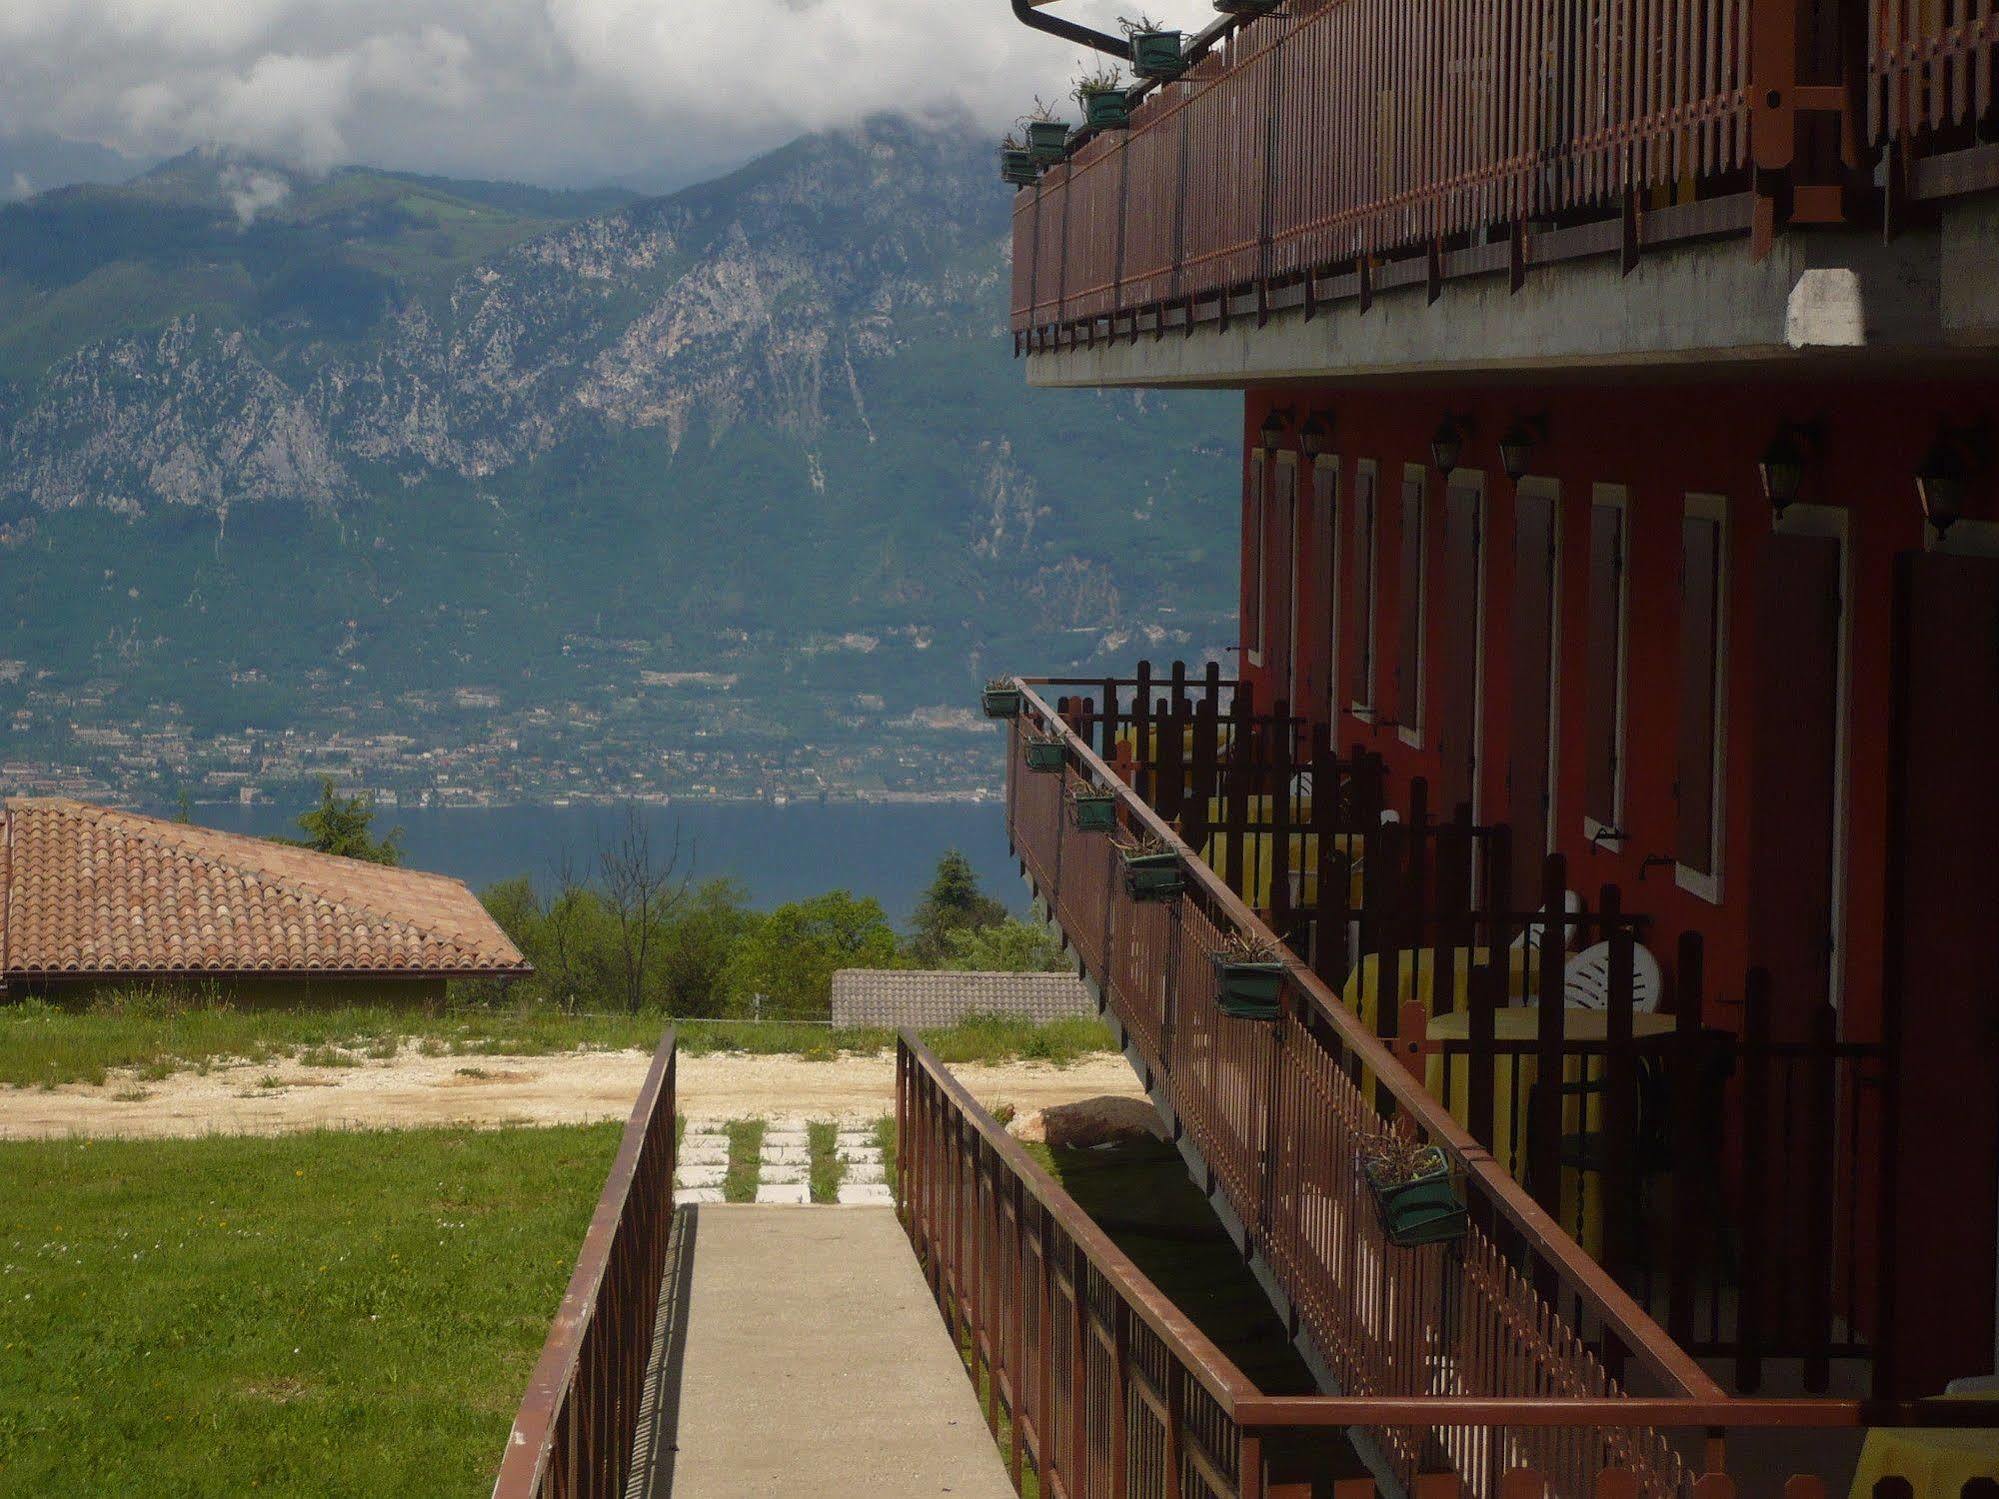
(484, 490)
(33, 161)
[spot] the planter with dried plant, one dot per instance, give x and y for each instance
(1045, 753)
(1414, 1192)
(1001, 699)
(1152, 869)
(1155, 48)
(1249, 977)
(1106, 105)
(1092, 810)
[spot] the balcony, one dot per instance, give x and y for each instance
(1685, 1210)
(1319, 157)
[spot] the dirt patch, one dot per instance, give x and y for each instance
(480, 1077)
(411, 1090)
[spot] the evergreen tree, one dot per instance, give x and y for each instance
(953, 903)
(344, 825)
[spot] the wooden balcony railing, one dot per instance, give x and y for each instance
(1099, 1387)
(573, 1435)
(1339, 147)
(1656, 1150)
(1282, 1113)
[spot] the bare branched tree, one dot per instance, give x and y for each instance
(642, 887)
(561, 928)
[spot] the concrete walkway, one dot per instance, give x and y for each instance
(812, 1361)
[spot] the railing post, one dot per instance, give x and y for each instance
(1120, 1398)
(1751, 1323)
(1079, 1371)
(1690, 1152)
(1544, 1136)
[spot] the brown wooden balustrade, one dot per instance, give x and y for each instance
(1339, 147)
(1097, 1386)
(1731, 1180)
(572, 1438)
(1282, 1116)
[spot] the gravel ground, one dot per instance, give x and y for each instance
(412, 1090)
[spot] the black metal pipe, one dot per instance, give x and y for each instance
(1069, 31)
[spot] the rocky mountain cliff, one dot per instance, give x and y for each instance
(278, 450)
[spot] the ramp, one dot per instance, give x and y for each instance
(811, 1361)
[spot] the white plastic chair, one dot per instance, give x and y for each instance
(1530, 939)
(1586, 979)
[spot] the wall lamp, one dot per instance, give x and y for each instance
(1274, 426)
(1782, 466)
(1958, 455)
(1448, 443)
(1316, 436)
(1516, 446)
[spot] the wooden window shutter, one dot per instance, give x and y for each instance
(1603, 681)
(1700, 642)
(1252, 558)
(1409, 604)
(1358, 626)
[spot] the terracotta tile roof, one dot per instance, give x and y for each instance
(934, 997)
(89, 890)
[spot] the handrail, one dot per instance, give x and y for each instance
(573, 1433)
(1246, 1404)
(1601, 1294)
(1217, 1373)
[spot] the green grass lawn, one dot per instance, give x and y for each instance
(42, 1046)
(326, 1314)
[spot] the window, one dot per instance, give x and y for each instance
(1697, 783)
(1252, 561)
(1411, 613)
(1603, 682)
(1359, 600)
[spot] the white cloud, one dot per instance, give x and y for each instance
(19, 188)
(252, 191)
(545, 89)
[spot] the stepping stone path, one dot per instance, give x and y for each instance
(784, 1166)
(863, 1182)
(784, 1171)
(703, 1160)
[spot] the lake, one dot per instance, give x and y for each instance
(779, 853)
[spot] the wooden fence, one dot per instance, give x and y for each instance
(572, 1438)
(1096, 1386)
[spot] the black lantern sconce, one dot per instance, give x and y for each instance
(1448, 444)
(1516, 446)
(1316, 436)
(1781, 469)
(1957, 456)
(1274, 426)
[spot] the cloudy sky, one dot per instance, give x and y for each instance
(556, 91)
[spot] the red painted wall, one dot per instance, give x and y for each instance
(1663, 440)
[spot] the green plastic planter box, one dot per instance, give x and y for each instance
(1156, 54)
(1001, 702)
(1046, 755)
(1248, 989)
(1424, 1210)
(1107, 109)
(1094, 811)
(1047, 140)
(1154, 876)
(1018, 168)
